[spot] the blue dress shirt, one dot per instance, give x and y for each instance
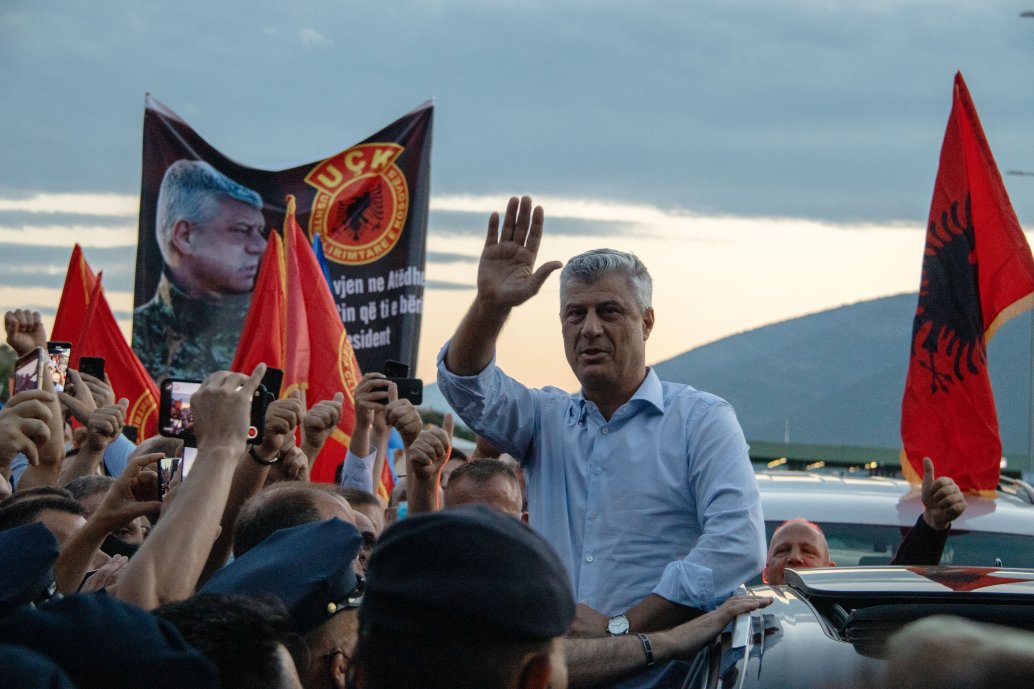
(659, 499)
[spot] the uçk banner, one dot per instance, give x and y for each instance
(204, 220)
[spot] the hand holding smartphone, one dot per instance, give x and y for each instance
(176, 420)
(29, 371)
(411, 389)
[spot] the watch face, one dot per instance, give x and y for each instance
(618, 625)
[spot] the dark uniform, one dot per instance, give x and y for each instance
(176, 336)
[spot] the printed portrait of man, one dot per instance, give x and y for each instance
(211, 234)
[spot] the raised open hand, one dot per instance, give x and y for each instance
(506, 272)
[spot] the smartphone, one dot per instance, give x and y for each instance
(174, 417)
(411, 389)
(29, 371)
(168, 469)
(92, 365)
(259, 402)
(273, 381)
(59, 354)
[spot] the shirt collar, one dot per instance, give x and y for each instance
(650, 392)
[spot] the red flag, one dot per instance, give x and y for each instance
(264, 337)
(75, 298)
(101, 336)
(977, 274)
(387, 482)
(332, 365)
(293, 324)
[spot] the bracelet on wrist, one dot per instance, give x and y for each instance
(261, 460)
(647, 649)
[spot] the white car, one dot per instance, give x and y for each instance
(864, 518)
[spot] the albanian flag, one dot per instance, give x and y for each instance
(977, 274)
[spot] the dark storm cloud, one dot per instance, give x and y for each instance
(824, 110)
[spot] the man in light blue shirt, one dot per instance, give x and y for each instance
(644, 488)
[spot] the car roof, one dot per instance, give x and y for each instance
(877, 500)
(917, 583)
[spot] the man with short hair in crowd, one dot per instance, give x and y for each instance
(486, 482)
(211, 234)
(644, 488)
(249, 640)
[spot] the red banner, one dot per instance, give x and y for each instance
(978, 273)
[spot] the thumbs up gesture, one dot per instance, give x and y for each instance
(942, 499)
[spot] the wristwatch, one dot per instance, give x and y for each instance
(618, 625)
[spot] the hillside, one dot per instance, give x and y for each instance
(836, 377)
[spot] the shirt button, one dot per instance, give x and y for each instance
(606, 430)
(598, 471)
(588, 558)
(592, 515)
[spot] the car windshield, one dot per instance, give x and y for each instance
(870, 545)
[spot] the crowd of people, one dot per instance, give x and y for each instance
(598, 538)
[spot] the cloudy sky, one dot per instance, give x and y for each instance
(766, 159)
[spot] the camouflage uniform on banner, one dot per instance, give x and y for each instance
(179, 337)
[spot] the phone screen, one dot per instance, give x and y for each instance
(189, 454)
(57, 368)
(168, 468)
(28, 371)
(176, 396)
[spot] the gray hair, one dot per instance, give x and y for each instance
(186, 193)
(593, 265)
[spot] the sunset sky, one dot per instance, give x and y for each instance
(765, 160)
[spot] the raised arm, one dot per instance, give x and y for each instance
(134, 494)
(168, 564)
(103, 427)
(282, 417)
(943, 503)
(425, 458)
(506, 278)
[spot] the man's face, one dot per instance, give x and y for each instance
(798, 546)
(499, 493)
(605, 333)
(223, 253)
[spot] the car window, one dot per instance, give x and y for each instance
(869, 545)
